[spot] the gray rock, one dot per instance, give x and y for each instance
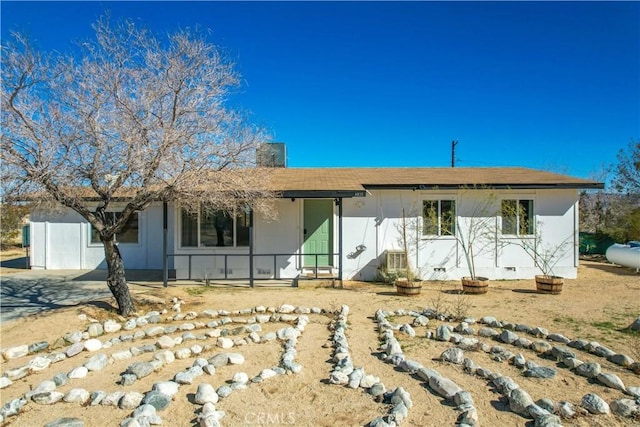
(491, 321)
(156, 399)
(74, 349)
(407, 329)
(539, 332)
(634, 391)
(410, 366)
(398, 412)
(95, 330)
(625, 407)
(444, 387)
(127, 379)
(611, 380)
(188, 376)
(536, 411)
(421, 321)
(540, 372)
(339, 378)
(65, 422)
(541, 347)
(96, 397)
(571, 362)
(546, 404)
(522, 328)
(635, 326)
(17, 373)
(463, 399)
(589, 370)
(452, 355)
(548, 420)
(12, 407)
(97, 362)
(378, 389)
(219, 360)
(38, 347)
(488, 332)
(112, 399)
(505, 385)
(595, 404)
(578, 344)
(47, 397)
(561, 353)
(566, 410)
(603, 351)
(519, 401)
(140, 369)
(355, 378)
(508, 337)
(621, 360)
(224, 391)
(401, 395)
(443, 333)
(558, 338)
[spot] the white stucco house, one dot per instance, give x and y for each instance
(341, 223)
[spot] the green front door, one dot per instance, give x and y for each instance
(318, 232)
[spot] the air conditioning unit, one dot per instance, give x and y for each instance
(395, 261)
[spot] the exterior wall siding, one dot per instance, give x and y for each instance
(369, 229)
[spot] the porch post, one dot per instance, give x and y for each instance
(165, 261)
(340, 239)
(251, 247)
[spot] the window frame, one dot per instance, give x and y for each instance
(531, 227)
(237, 243)
(138, 241)
(440, 234)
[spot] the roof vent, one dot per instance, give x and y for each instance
(272, 155)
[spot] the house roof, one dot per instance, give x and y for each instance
(305, 182)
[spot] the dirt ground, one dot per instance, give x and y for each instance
(598, 306)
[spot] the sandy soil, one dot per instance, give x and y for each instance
(598, 306)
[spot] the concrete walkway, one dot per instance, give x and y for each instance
(35, 291)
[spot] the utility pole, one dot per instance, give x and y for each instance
(453, 153)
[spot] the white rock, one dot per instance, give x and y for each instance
(268, 373)
(286, 308)
(165, 341)
(165, 356)
(240, 377)
(206, 394)
(196, 349)
(77, 395)
(15, 352)
(39, 363)
(183, 353)
(121, 355)
(130, 400)
(5, 382)
(224, 343)
(111, 326)
(235, 358)
(169, 388)
(93, 344)
(79, 372)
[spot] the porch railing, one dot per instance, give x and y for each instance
(252, 266)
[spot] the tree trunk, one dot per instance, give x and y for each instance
(116, 279)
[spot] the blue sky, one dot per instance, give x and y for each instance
(549, 85)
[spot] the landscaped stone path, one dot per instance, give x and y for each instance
(213, 339)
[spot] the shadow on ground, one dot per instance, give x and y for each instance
(25, 295)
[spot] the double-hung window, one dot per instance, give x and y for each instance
(438, 218)
(129, 234)
(208, 228)
(517, 217)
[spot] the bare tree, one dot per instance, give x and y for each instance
(627, 172)
(126, 117)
